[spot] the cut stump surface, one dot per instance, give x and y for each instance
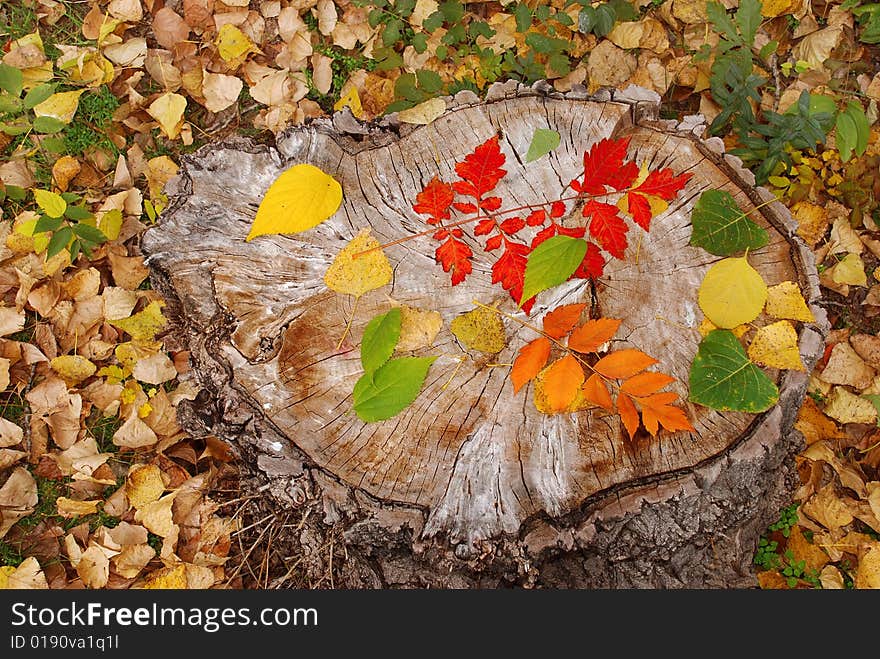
(568, 498)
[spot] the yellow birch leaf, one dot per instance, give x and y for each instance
(144, 485)
(50, 203)
(143, 325)
(169, 578)
(424, 113)
(168, 110)
(732, 293)
(353, 275)
(73, 368)
(61, 106)
(232, 44)
(785, 301)
(776, 346)
(480, 329)
(418, 328)
(110, 223)
(351, 100)
(850, 270)
(298, 200)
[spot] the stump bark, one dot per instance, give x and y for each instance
(471, 486)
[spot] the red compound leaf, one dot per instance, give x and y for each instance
(481, 170)
(434, 200)
(455, 257)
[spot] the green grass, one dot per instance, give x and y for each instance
(10, 555)
(94, 114)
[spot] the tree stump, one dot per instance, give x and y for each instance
(471, 486)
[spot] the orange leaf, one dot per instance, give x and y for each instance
(593, 333)
(628, 414)
(623, 363)
(559, 322)
(646, 383)
(596, 391)
(656, 409)
(562, 381)
(529, 362)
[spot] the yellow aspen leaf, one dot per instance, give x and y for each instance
(351, 274)
(61, 106)
(298, 200)
(157, 517)
(169, 578)
(351, 100)
(850, 270)
(845, 407)
(528, 363)
(424, 113)
(73, 368)
(480, 329)
(110, 223)
(776, 346)
(143, 325)
(558, 385)
(232, 44)
(144, 485)
(418, 328)
(707, 326)
(785, 301)
(623, 363)
(168, 110)
(732, 293)
(73, 508)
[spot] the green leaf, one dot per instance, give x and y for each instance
(723, 378)
(11, 79)
(819, 103)
(863, 129)
(721, 228)
(748, 18)
(37, 95)
(768, 49)
(543, 142)
(10, 104)
(721, 21)
(433, 22)
(551, 263)
(391, 389)
(429, 81)
(46, 223)
(50, 203)
(605, 19)
(380, 337)
(16, 127)
(846, 135)
(77, 213)
(16, 193)
(453, 10)
(420, 42)
(58, 241)
(391, 33)
(48, 125)
(89, 233)
(624, 10)
(586, 20)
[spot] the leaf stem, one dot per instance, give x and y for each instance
(348, 324)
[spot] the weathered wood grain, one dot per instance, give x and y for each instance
(471, 461)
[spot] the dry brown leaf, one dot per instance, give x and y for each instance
(27, 576)
(325, 12)
(144, 485)
(220, 91)
(322, 72)
(817, 46)
(93, 567)
(11, 320)
(10, 433)
(827, 508)
(844, 238)
(157, 517)
(64, 171)
(173, 578)
(132, 559)
(803, 550)
(868, 571)
(831, 578)
(155, 369)
(134, 433)
(847, 368)
(418, 328)
(846, 407)
(18, 496)
(168, 110)
(169, 28)
(812, 221)
(609, 66)
(72, 508)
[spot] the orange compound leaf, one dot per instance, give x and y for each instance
(607, 227)
(592, 334)
(656, 409)
(481, 170)
(435, 200)
(663, 183)
(596, 391)
(455, 257)
(529, 362)
(559, 322)
(623, 363)
(646, 383)
(602, 163)
(562, 381)
(628, 414)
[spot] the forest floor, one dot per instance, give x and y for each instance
(100, 487)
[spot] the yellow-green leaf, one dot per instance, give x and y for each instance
(776, 346)
(732, 293)
(355, 275)
(111, 223)
(232, 43)
(73, 368)
(480, 329)
(300, 199)
(61, 106)
(143, 325)
(50, 203)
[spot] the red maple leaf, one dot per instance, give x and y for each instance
(593, 264)
(602, 163)
(481, 170)
(607, 227)
(640, 209)
(455, 257)
(434, 200)
(663, 183)
(510, 271)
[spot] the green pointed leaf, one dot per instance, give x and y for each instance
(15, 127)
(721, 228)
(46, 223)
(10, 104)
(11, 79)
(58, 241)
(390, 389)
(846, 135)
(79, 213)
(863, 129)
(723, 378)
(748, 18)
(50, 203)
(37, 95)
(380, 337)
(89, 233)
(48, 125)
(16, 192)
(543, 142)
(551, 263)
